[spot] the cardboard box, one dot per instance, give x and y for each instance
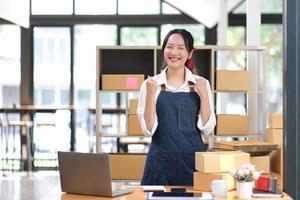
(253, 147)
(133, 103)
(232, 80)
(220, 161)
(134, 127)
(232, 125)
(276, 121)
(121, 81)
(262, 163)
(276, 160)
(274, 136)
(127, 166)
(202, 180)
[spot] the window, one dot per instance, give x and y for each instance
(10, 65)
(51, 63)
(271, 39)
(196, 30)
(138, 7)
(87, 37)
(96, 7)
(267, 6)
(51, 87)
(139, 36)
(51, 7)
(47, 96)
(236, 35)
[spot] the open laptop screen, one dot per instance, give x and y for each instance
(85, 173)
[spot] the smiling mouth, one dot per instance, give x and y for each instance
(174, 59)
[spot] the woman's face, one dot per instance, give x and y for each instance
(175, 52)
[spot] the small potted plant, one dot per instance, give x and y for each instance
(245, 177)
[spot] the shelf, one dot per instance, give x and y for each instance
(239, 136)
(238, 48)
(146, 60)
(118, 91)
(120, 136)
(244, 87)
(230, 91)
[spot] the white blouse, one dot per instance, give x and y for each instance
(160, 79)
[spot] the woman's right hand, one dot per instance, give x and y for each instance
(151, 86)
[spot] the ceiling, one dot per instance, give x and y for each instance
(204, 11)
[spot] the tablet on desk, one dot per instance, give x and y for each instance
(178, 195)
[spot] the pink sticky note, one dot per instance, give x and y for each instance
(131, 82)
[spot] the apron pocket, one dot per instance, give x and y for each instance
(186, 119)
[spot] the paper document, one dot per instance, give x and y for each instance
(151, 188)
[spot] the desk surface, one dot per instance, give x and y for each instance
(56, 194)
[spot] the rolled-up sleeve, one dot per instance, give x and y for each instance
(141, 109)
(209, 126)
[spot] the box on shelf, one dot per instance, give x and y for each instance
(262, 163)
(220, 161)
(232, 80)
(202, 180)
(134, 127)
(127, 166)
(276, 160)
(232, 124)
(133, 106)
(121, 81)
(276, 156)
(275, 121)
(274, 136)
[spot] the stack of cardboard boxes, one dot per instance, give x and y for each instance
(274, 134)
(217, 165)
(134, 127)
(259, 151)
(126, 82)
(126, 166)
(232, 81)
(237, 125)
(119, 82)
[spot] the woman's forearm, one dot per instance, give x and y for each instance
(149, 113)
(205, 110)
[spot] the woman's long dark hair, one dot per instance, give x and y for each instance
(188, 41)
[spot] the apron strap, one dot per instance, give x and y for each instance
(191, 86)
(163, 87)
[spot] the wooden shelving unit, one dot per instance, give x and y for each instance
(147, 60)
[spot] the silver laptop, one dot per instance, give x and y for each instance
(87, 174)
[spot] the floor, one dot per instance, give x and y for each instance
(21, 186)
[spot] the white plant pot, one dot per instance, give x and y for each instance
(244, 190)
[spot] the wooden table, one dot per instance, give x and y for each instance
(56, 194)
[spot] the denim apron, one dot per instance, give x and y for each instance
(171, 157)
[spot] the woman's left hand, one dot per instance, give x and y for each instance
(200, 87)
